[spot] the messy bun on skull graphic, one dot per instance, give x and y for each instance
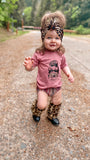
(53, 69)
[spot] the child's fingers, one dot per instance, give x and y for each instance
(67, 75)
(71, 79)
(27, 58)
(24, 64)
(32, 61)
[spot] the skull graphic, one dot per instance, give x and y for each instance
(53, 69)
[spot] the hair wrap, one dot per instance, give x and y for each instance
(53, 21)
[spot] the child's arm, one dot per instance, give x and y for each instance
(68, 73)
(28, 64)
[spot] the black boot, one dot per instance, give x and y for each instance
(36, 112)
(53, 111)
(36, 118)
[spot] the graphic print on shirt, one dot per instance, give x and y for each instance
(53, 69)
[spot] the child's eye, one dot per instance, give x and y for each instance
(48, 37)
(57, 38)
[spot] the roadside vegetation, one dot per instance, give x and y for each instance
(4, 35)
(15, 13)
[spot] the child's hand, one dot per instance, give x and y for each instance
(28, 63)
(70, 78)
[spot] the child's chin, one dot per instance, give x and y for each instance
(52, 49)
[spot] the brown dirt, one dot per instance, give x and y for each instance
(20, 137)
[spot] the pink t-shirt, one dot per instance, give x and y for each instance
(49, 69)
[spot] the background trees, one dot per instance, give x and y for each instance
(6, 9)
(18, 12)
(77, 12)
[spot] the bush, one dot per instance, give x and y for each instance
(81, 30)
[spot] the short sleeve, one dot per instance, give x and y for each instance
(35, 59)
(63, 62)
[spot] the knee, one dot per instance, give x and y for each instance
(41, 106)
(57, 101)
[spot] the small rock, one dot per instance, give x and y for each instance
(75, 159)
(86, 155)
(23, 145)
(7, 158)
(69, 139)
(71, 152)
(83, 147)
(67, 158)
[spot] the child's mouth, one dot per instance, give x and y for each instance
(52, 45)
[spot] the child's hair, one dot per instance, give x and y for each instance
(52, 21)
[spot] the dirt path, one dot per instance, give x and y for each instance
(20, 137)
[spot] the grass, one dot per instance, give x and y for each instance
(4, 35)
(76, 35)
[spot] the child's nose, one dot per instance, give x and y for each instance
(53, 39)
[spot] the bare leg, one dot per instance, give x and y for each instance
(57, 98)
(42, 99)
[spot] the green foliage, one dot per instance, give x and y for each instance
(1, 16)
(77, 12)
(28, 2)
(18, 13)
(27, 15)
(4, 35)
(81, 30)
(53, 5)
(6, 9)
(85, 13)
(33, 16)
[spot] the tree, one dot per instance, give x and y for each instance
(32, 20)
(77, 12)
(45, 6)
(85, 13)
(27, 15)
(18, 13)
(6, 9)
(53, 5)
(28, 3)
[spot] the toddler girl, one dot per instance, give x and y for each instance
(50, 60)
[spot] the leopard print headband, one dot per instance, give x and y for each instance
(52, 25)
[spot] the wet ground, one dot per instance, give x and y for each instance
(20, 137)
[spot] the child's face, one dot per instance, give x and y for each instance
(52, 41)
